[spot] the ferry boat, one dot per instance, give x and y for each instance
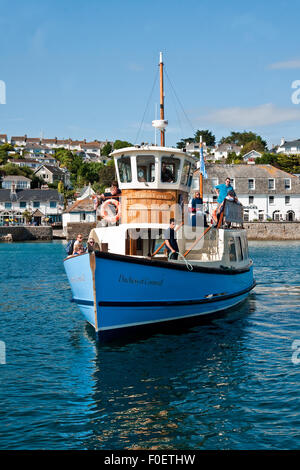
(129, 282)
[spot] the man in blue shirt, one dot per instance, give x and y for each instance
(222, 190)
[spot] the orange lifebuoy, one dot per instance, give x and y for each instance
(105, 213)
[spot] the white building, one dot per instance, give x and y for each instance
(289, 148)
(266, 192)
(82, 210)
(45, 205)
(251, 156)
(223, 150)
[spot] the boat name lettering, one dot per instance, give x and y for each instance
(78, 279)
(143, 282)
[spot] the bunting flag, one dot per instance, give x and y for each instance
(202, 162)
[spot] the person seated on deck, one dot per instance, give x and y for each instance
(170, 240)
(166, 174)
(114, 193)
(78, 245)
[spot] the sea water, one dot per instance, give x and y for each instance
(230, 383)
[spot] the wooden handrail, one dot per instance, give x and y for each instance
(160, 247)
(198, 239)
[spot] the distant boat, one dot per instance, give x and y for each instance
(129, 282)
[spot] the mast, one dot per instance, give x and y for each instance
(162, 110)
(200, 172)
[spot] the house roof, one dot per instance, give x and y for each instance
(15, 178)
(33, 139)
(53, 169)
(38, 213)
(227, 146)
(291, 143)
(22, 137)
(82, 205)
(258, 154)
(42, 195)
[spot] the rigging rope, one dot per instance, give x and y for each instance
(147, 106)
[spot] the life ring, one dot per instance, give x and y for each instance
(106, 214)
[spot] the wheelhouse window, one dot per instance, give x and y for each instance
(185, 172)
(169, 169)
(232, 250)
(145, 168)
(124, 167)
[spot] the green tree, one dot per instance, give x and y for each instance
(183, 142)
(106, 149)
(242, 138)
(207, 137)
(120, 144)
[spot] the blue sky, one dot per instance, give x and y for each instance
(86, 69)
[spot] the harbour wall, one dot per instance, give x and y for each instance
(73, 228)
(273, 230)
(255, 231)
(25, 233)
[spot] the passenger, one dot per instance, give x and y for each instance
(166, 174)
(78, 245)
(231, 196)
(114, 192)
(170, 240)
(197, 209)
(222, 190)
(91, 245)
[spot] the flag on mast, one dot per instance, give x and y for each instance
(202, 163)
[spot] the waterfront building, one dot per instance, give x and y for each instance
(44, 205)
(3, 139)
(266, 192)
(83, 210)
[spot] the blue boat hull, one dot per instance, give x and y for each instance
(116, 292)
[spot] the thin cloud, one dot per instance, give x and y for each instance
(288, 64)
(262, 115)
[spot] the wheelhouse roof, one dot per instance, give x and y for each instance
(138, 150)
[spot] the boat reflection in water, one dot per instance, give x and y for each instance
(129, 282)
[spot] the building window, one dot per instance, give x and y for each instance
(251, 199)
(271, 199)
(52, 204)
(287, 183)
(251, 183)
(22, 205)
(36, 204)
(276, 215)
(287, 200)
(271, 183)
(8, 205)
(261, 216)
(246, 216)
